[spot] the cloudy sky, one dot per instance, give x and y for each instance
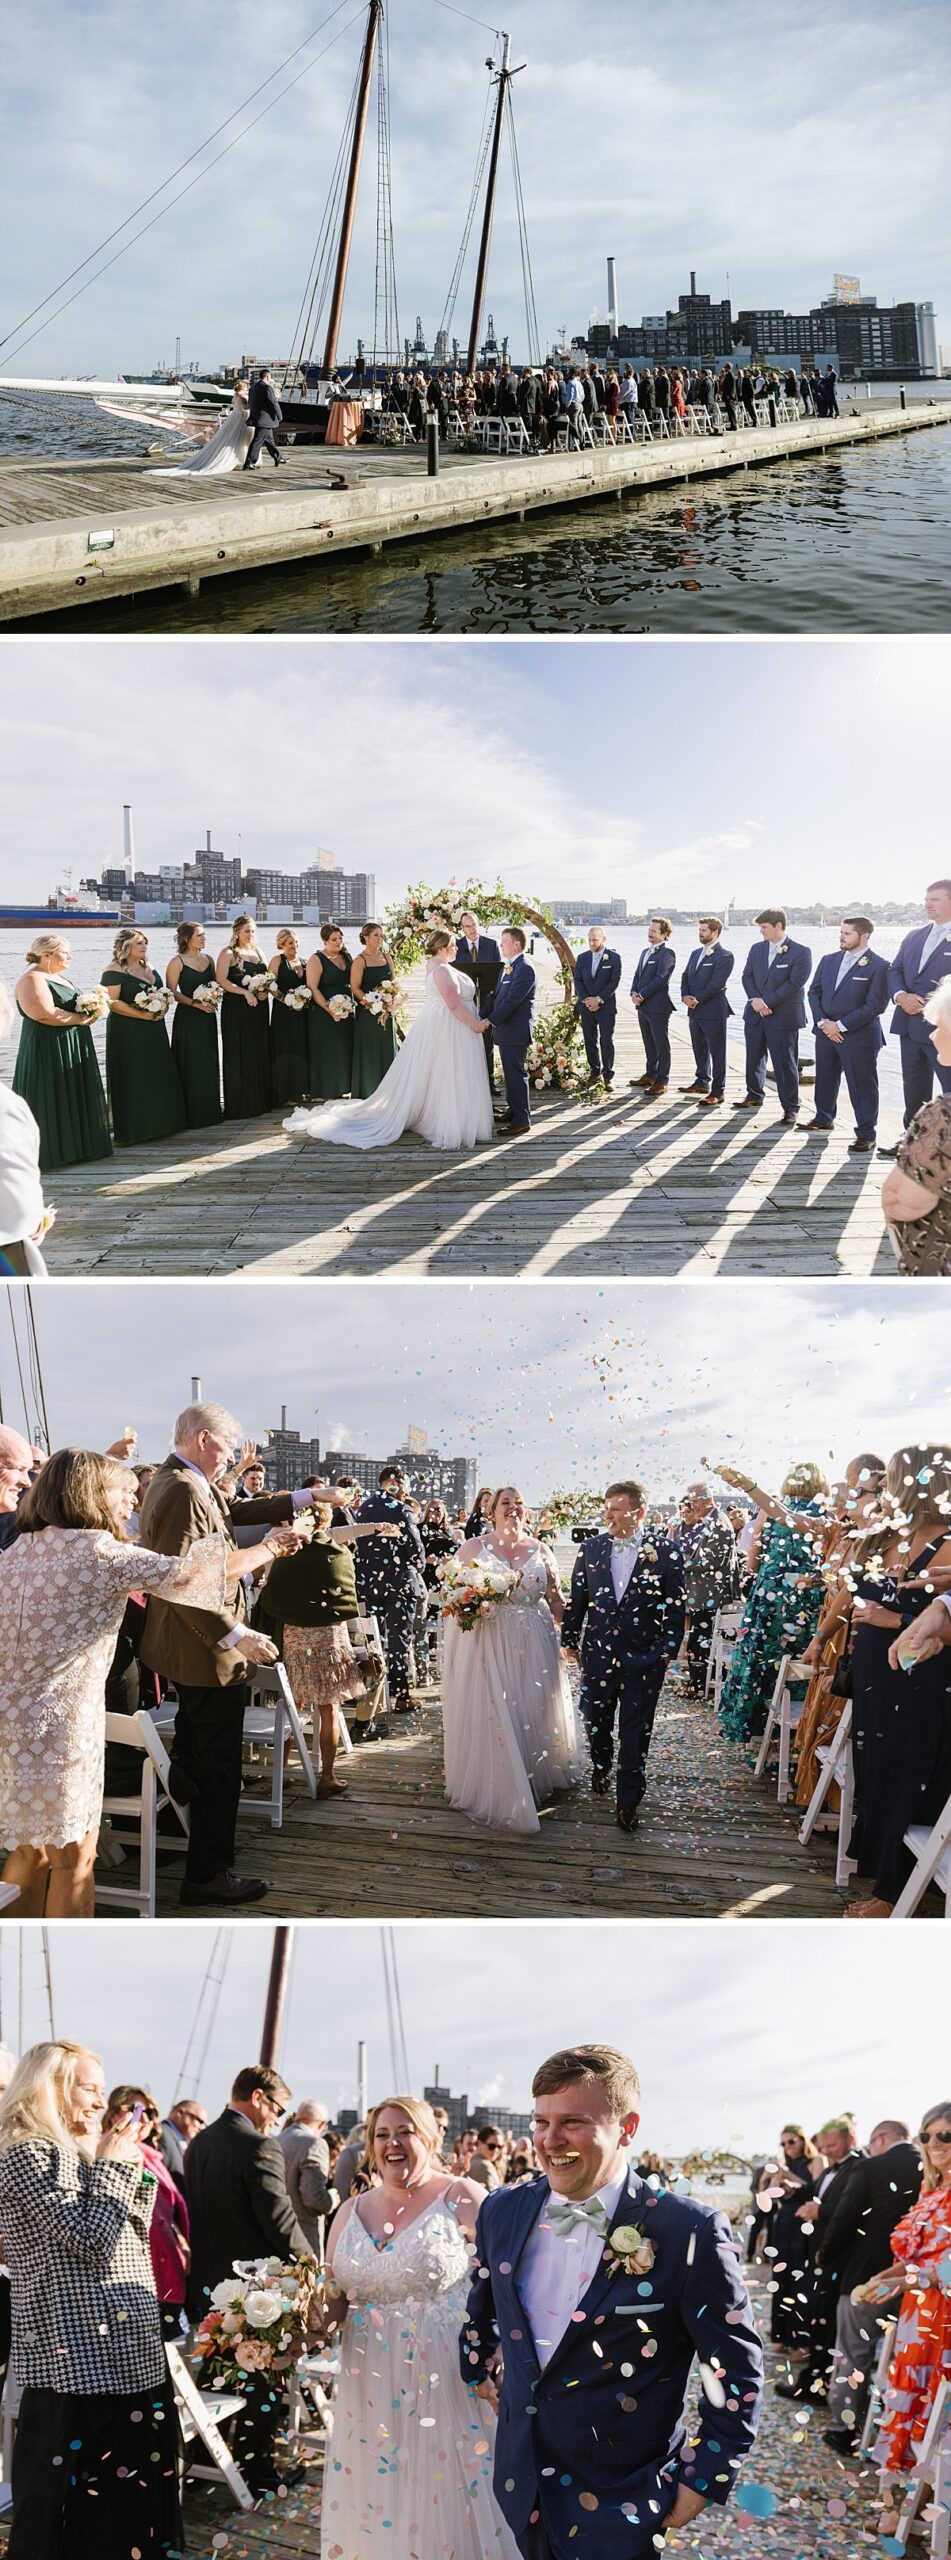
(688, 770)
(556, 1384)
(763, 147)
(728, 2034)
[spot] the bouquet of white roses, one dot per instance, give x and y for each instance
(207, 993)
(154, 1000)
(472, 1591)
(258, 2321)
(262, 984)
(340, 1008)
(385, 1001)
(92, 1004)
(296, 1000)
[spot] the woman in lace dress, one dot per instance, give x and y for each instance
(510, 1737)
(409, 2470)
(64, 1584)
(437, 1084)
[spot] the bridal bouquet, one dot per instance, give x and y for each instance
(259, 2321)
(474, 1590)
(384, 1001)
(208, 993)
(91, 1005)
(154, 1000)
(296, 1000)
(262, 984)
(340, 1008)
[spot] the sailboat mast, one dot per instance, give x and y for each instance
(276, 1996)
(485, 242)
(353, 182)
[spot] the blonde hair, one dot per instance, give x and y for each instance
(323, 1514)
(126, 936)
(939, 1002)
(907, 1503)
(37, 2103)
(438, 941)
(71, 1491)
(804, 1481)
(284, 935)
(420, 2114)
(935, 2115)
(497, 1497)
(238, 927)
(42, 948)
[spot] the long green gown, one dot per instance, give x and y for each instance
(374, 1040)
(142, 1079)
(331, 1043)
(290, 1052)
(246, 1047)
(57, 1073)
(779, 1618)
(195, 1049)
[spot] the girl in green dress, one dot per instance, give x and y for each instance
(374, 1035)
(245, 1027)
(57, 1071)
(290, 1053)
(195, 1027)
(142, 1079)
(331, 1042)
(783, 1609)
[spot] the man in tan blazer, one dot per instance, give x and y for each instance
(208, 1657)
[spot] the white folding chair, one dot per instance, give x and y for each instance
(726, 1628)
(931, 1851)
(930, 2477)
(835, 1769)
(876, 2397)
(783, 1718)
(310, 2392)
(201, 2415)
(269, 1718)
(516, 440)
(8, 1893)
(125, 1815)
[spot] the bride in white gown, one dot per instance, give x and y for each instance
(409, 2465)
(438, 1084)
(510, 1735)
(226, 450)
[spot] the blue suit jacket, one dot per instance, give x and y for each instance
(513, 1004)
(604, 982)
(784, 994)
(652, 977)
(706, 975)
(574, 2433)
(906, 977)
(859, 1003)
(388, 1561)
(646, 1625)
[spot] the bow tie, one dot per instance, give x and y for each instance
(622, 1546)
(561, 2214)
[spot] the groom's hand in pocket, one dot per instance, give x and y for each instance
(687, 2504)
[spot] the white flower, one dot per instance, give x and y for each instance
(232, 2291)
(264, 2305)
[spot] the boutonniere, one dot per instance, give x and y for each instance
(628, 2252)
(861, 964)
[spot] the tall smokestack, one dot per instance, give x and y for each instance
(612, 296)
(128, 843)
(693, 280)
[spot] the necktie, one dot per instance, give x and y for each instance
(846, 963)
(561, 2215)
(935, 938)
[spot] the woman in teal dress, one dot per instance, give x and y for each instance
(331, 1043)
(142, 1079)
(57, 1070)
(245, 1027)
(195, 1026)
(374, 1035)
(782, 1612)
(290, 1053)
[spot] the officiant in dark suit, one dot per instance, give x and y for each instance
(479, 958)
(597, 976)
(265, 412)
(848, 997)
(703, 988)
(774, 982)
(625, 1619)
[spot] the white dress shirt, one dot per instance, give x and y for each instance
(557, 2267)
(623, 1561)
(21, 1190)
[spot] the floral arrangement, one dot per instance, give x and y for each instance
(385, 1001)
(296, 1000)
(627, 2251)
(567, 1510)
(423, 910)
(472, 1591)
(153, 1000)
(92, 1004)
(340, 1008)
(262, 984)
(557, 1056)
(208, 993)
(258, 2322)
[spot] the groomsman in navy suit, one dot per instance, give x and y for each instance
(848, 996)
(512, 1014)
(653, 1003)
(626, 1619)
(923, 960)
(774, 980)
(703, 988)
(597, 978)
(595, 2295)
(478, 956)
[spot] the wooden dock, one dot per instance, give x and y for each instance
(616, 1188)
(77, 533)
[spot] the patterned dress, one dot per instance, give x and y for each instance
(922, 2356)
(781, 1617)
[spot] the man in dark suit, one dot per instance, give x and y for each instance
(480, 959)
(923, 959)
(848, 997)
(653, 1005)
(774, 979)
(266, 413)
(839, 2147)
(391, 1577)
(208, 1657)
(512, 1012)
(239, 2207)
(597, 978)
(703, 988)
(625, 1620)
(856, 2245)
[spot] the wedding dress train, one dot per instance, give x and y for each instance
(226, 450)
(438, 1084)
(510, 1735)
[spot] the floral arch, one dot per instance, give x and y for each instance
(556, 1056)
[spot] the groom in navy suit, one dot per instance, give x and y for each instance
(922, 961)
(594, 2292)
(511, 1013)
(597, 978)
(848, 997)
(626, 1618)
(774, 979)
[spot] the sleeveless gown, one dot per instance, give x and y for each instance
(195, 1050)
(409, 2466)
(510, 1736)
(436, 1086)
(57, 1075)
(331, 1043)
(290, 1058)
(246, 1047)
(374, 1040)
(142, 1079)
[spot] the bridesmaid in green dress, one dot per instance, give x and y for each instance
(245, 1028)
(290, 1053)
(331, 1043)
(195, 1027)
(57, 1071)
(374, 1035)
(142, 1079)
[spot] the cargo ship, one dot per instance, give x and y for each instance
(65, 905)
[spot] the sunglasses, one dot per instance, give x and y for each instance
(935, 2136)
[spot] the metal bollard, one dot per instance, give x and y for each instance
(432, 447)
(902, 397)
